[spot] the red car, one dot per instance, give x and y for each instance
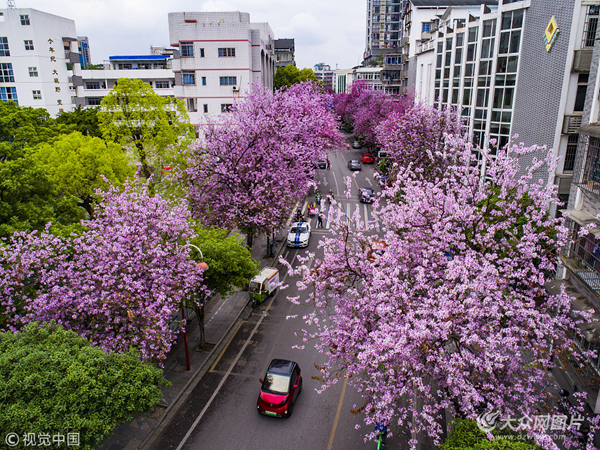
(280, 388)
(367, 158)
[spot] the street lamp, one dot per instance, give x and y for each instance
(204, 266)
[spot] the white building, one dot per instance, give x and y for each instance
(153, 69)
(221, 55)
(343, 79)
(39, 59)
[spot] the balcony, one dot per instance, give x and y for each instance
(424, 47)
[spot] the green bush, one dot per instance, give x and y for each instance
(54, 382)
(467, 436)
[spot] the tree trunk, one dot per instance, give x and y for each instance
(199, 310)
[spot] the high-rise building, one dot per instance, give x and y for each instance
(221, 55)
(324, 75)
(85, 58)
(384, 19)
(285, 52)
(39, 59)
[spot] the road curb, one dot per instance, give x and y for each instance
(172, 409)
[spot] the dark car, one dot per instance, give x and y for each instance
(366, 195)
(368, 159)
(322, 164)
(280, 388)
(354, 164)
(356, 144)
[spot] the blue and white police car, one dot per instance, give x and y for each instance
(299, 235)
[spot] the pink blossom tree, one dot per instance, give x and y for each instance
(118, 284)
(254, 163)
(453, 313)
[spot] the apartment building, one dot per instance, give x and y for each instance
(285, 51)
(324, 75)
(39, 60)
(220, 56)
(343, 79)
(155, 69)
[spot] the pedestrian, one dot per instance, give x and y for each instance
(328, 164)
(320, 221)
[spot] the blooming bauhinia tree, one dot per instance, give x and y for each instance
(118, 284)
(418, 136)
(254, 163)
(453, 313)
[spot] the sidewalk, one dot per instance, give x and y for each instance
(221, 315)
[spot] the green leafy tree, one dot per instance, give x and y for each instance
(84, 120)
(288, 75)
(79, 165)
(55, 382)
(230, 266)
(29, 199)
(147, 124)
(22, 127)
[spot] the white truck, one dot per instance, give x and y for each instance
(263, 285)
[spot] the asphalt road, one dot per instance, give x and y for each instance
(221, 411)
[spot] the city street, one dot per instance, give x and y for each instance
(221, 411)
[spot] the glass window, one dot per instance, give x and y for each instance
(226, 52)
(95, 85)
(28, 44)
(201, 52)
(191, 104)
(161, 84)
(24, 19)
(33, 72)
(473, 34)
(8, 94)
(37, 95)
(6, 73)
(425, 27)
(459, 39)
(94, 101)
(187, 49)
(225, 107)
(228, 81)
(203, 81)
(580, 97)
(489, 28)
(189, 77)
(205, 108)
(4, 51)
(125, 66)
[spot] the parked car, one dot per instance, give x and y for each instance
(299, 235)
(367, 158)
(366, 195)
(354, 164)
(322, 164)
(356, 144)
(280, 388)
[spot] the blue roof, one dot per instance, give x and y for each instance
(139, 57)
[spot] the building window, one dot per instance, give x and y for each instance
(187, 49)
(582, 84)
(203, 81)
(201, 53)
(205, 108)
(161, 84)
(571, 152)
(228, 81)
(4, 46)
(94, 101)
(191, 104)
(95, 85)
(6, 73)
(591, 24)
(33, 72)
(225, 107)
(144, 66)
(24, 19)
(189, 77)
(425, 27)
(226, 52)
(8, 94)
(125, 66)
(37, 95)
(28, 44)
